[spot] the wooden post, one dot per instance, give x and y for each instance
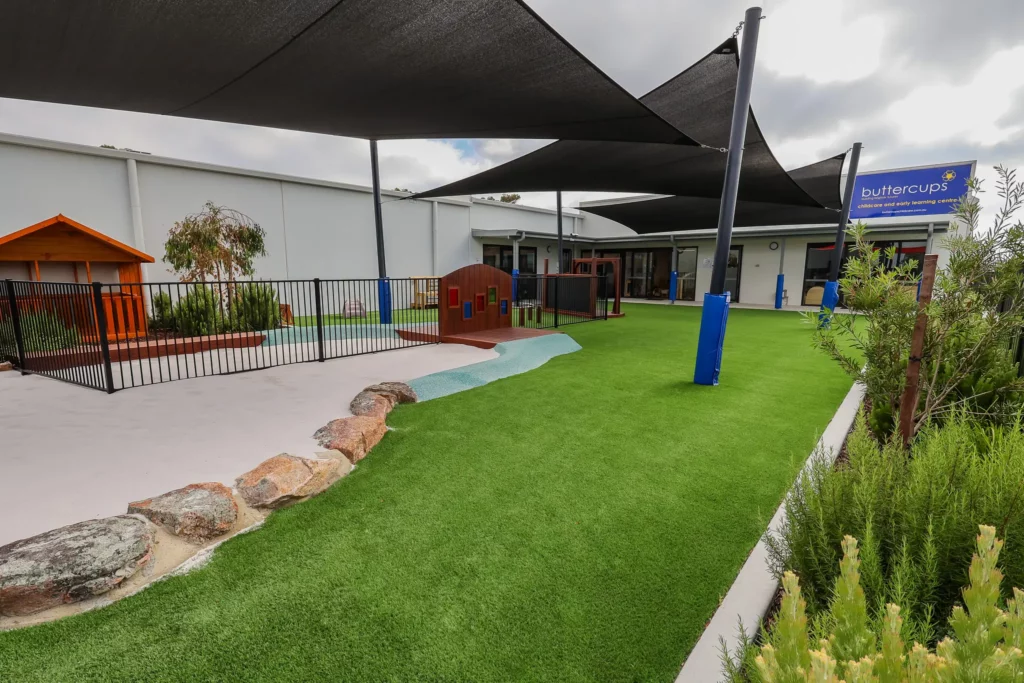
(908, 402)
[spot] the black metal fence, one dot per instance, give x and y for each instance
(548, 301)
(112, 337)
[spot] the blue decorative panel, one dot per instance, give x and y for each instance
(467, 310)
(504, 306)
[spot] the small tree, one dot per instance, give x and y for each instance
(511, 197)
(215, 244)
(976, 312)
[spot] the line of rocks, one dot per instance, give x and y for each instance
(87, 559)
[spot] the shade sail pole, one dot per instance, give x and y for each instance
(830, 299)
(715, 311)
(383, 286)
(558, 281)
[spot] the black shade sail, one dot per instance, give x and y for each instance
(699, 102)
(671, 214)
(364, 68)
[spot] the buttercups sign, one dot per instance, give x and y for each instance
(911, 192)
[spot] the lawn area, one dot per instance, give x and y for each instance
(398, 316)
(576, 523)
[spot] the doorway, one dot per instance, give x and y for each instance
(733, 273)
(686, 285)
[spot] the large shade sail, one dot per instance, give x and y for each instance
(699, 102)
(671, 214)
(375, 69)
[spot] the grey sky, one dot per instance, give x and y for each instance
(918, 81)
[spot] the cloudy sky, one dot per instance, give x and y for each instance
(917, 81)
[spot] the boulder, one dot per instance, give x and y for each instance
(72, 563)
(353, 436)
(6, 366)
(372, 404)
(400, 391)
(197, 512)
(285, 479)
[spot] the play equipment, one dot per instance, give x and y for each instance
(477, 298)
(425, 293)
(60, 249)
(590, 266)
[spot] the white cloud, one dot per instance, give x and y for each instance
(971, 112)
(825, 41)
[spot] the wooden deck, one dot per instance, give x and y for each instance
(486, 339)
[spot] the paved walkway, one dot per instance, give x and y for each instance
(68, 453)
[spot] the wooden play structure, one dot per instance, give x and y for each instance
(591, 266)
(476, 298)
(425, 295)
(60, 249)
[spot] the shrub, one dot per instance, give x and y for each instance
(976, 310)
(916, 513)
(41, 331)
(163, 312)
(255, 308)
(985, 644)
(199, 313)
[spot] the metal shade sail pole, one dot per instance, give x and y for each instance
(715, 311)
(830, 299)
(383, 286)
(558, 279)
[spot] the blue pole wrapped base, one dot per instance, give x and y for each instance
(780, 285)
(384, 300)
(829, 301)
(673, 285)
(714, 315)
(515, 284)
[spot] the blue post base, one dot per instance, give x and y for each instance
(673, 285)
(780, 284)
(714, 315)
(384, 300)
(515, 284)
(829, 301)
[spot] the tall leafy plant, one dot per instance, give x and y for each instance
(977, 310)
(217, 243)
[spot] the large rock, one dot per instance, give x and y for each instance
(72, 563)
(287, 478)
(6, 366)
(399, 391)
(197, 512)
(353, 436)
(371, 404)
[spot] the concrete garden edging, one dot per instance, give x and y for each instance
(751, 594)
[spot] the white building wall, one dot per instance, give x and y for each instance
(36, 184)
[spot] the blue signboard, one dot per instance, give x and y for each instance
(911, 192)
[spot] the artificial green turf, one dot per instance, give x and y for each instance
(579, 522)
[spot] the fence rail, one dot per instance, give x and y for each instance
(112, 337)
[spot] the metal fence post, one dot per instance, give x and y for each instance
(319, 320)
(19, 338)
(101, 332)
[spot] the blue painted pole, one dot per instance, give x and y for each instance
(715, 311)
(673, 285)
(515, 284)
(780, 284)
(383, 286)
(830, 299)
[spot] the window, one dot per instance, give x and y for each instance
(500, 256)
(492, 295)
(818, 267)
(566, 265)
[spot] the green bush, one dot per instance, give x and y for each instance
(163, 312)
(41, 331)
(915, 512)
(199, 313)
(985, 642)
(255, 308)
